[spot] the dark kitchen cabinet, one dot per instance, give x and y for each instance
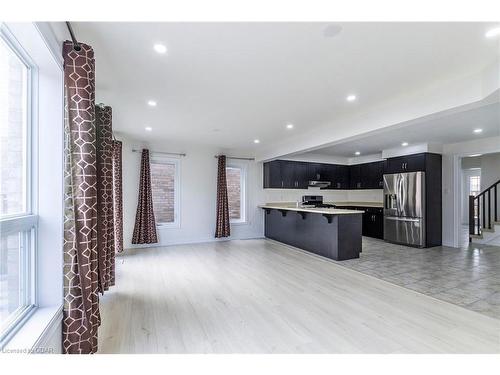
(272, 175)
(373, 222)
(367, 175)
(287, 174)
(407, 163)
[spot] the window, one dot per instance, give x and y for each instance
(474, 185)
(18, 223)
(165, 190)
(235, 177)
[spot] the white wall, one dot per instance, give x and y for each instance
(198, 194)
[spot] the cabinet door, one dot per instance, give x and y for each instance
(288, 174)
(372, 175)
(272, 175)
(378, 176)
(407, 163)
(342, 177)
(367, 224)
(301, 175)
(355, 177)
(415, 163)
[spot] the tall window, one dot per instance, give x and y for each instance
(474, 185)
(18, 221)
(165, 184)
(235, 177)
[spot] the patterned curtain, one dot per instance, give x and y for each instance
(222, 228)
(145, 225)
(81, 299)
(118, 195)
(105, 214)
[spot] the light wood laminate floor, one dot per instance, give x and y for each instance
(258, 296)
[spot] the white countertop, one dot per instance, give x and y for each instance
(293, 207)
(358, 204)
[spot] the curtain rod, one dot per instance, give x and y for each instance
(76, 45)
(160, 152)
(236, 158)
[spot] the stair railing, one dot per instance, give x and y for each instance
(483, 210)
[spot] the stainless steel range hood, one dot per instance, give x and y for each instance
(320, 184)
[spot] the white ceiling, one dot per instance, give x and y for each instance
(453, 128)
(225, 84)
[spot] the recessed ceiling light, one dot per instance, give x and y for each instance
(477, 131)
(474, 155)
(148, 128)
(404, 144)
(289, 126)
(357, 153)
(350, 98)
(256, 141)
(493, 32)
(152, 103)
(160, 48)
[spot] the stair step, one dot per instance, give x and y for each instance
(488, 230)
(496, 223)
(478, 236)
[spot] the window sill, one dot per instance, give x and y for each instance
(33, 332)
(168, 226)
(239, 223)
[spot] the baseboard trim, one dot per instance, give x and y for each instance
(194, 241)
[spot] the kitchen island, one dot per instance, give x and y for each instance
(329, 232)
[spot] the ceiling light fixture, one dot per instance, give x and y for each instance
(160, 48)
(256, 141)
(350, 98)
(477, 131)
(289, 126)
(404, 144)
(493, 32)
(474, 155)
(148, 128)
(357, 153)
(152, 103)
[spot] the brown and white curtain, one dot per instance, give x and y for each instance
(222, 228)
(81, 278)
(105, 211)
(118, 195)
(145, 225)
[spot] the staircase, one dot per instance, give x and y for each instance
(484, 221)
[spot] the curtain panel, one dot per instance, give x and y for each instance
(81, 281)
(118, 195)
(145, 225)
(222, 228)
(105, 212)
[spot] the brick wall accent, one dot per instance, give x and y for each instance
(163, 187)
(233, 178)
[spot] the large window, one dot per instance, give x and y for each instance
(235, 176)
(165, 189)
(18, 222)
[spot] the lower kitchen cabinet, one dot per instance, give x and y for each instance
(373, 223)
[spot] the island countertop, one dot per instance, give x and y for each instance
(317, 210)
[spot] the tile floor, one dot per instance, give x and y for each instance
(467, 276)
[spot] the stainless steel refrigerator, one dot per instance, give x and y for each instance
(404, 208)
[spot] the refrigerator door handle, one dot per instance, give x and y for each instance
(398, 218)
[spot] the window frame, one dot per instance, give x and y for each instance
(164, 159)
(25, 223)
(243, 193)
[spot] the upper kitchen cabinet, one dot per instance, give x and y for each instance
(272, 175)
(367, 176)
(286, 174)
(407, 163)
